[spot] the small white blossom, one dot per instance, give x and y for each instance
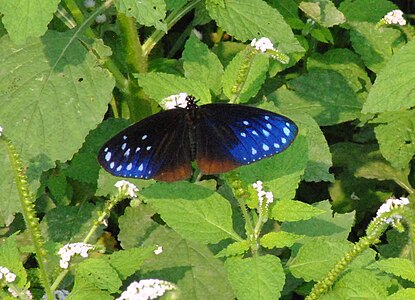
(58, 295)
(130, 188)
(1, 130)
(258, 186)
(101, 19)
(174, 101)
(69, 250)
(159, 250)
(389, 205)
(146, 289)
(89, 3)
(4, 270)
(10, 277)
(395, 17)
(263, 44)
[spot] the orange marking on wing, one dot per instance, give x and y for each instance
(180, 173)
(208, 166)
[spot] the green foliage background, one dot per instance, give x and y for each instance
(68, 83)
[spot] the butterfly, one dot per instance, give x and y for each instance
(220, 137)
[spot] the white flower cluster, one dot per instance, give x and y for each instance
(174, 101)
(58, 295)
(127, 187)
(7, 275)
(146, 289)
(1, 130)
(263, 44)
(28, 294)
(395, 17)
(69, 250)
(389, 205)
(261, 194)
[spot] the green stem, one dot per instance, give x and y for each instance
(29, 214)
(171, 20)
(135, 58)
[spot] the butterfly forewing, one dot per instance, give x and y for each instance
(232, 135)
(156, 147)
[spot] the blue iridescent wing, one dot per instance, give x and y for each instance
(229, 136)
(156, 147)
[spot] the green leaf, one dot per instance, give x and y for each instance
(154, 85)
(10, 258)
(24, 18)
(53, 93)
(288, 210)
(233, 249)
(366, 10)
(325, 95)
(319, 255)
(200, 64)
(258, 277)
(127, 262)
(195, 212)
(346, 63)
(84, 168)
(289, 10)
(85, 290)
(134, 225)
(401, 267)
(403, 294)
(9, 197)
(280, 173)
(237, 19)
(319, 156)
(148, 13)
(257, 67)
(359, 284)
(78, 220)
(375, 46)
(396, 137)
(99, 273)
(393, 89)
(337, 226)
(323, 12)
(191, 266)
(279, 239)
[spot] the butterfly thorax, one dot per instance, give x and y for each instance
(192, 119)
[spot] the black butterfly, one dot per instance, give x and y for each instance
(220, 137)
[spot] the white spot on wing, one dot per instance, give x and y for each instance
(144, 137)
(265, 132)
(243, 134)
(108, 156)
(123, 146)
(119, 168)
(140, 167)
(106, 149)
(265, 147)
(253, 151)
(130, 166)
(112, 165)
(283, 140)
(276, 145)
(138, 149)
(127, 153)
(245, 122)
(269, 126)
(286, 131)
(148, 148)
(266, 118)
(124, 137)
(254, 132)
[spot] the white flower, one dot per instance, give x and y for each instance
(10, 277)
(175, 101)
(146, 289)
(69, 250)
(159, 250)
(270, 197)
(395, 17)
(130, 188)
(101, 18)
(1, 130)
(89, 3)
(263, 44)
(389, 205)
(4, 270)
(258, 186)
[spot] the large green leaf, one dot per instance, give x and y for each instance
(238, 19)
(25, 18)
(53, 92)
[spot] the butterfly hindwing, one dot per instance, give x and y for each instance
(229, 136)
(156, 147)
